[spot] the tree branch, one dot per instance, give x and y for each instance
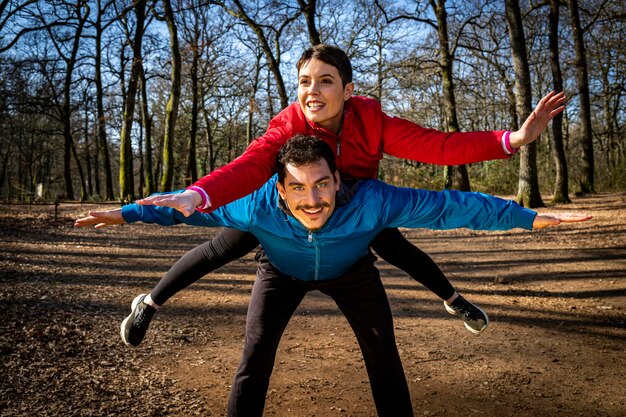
(404, 17)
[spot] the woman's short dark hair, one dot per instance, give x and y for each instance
(330, 55)
(304, 150)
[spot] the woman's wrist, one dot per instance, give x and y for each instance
(507, 143)
(201, 198)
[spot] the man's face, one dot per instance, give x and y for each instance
(309, 191)
(322, 95)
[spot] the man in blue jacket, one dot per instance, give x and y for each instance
(315, 236)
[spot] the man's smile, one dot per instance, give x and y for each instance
(313, 211)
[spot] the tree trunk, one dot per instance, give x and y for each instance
(191, 174)
(455, 176)
(127, 188)
(66, 112)
(308, 9)
(512, 104)
(528, 192)
(158, 166)
(81, 173)
(142, 176)
(88, 157)
(102, 135)
(96, 162)
(586, 181)
(5, 166)
(253, 106)
(380, 49)
(272, 61)
(147, 128)
(561, 191)
(209, 140)
(171, 111)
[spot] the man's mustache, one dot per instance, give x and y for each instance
(315, 207)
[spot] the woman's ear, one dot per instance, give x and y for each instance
(347, 91)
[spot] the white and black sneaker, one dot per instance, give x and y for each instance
(475, 319)
(135, 326)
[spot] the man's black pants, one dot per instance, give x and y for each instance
(360, 296)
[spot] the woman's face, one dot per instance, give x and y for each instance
(321, 94)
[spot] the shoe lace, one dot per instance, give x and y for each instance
(468, 312)
(142, 318)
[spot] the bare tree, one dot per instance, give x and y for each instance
(18, 19)
(308, 10)
(253, 107)
(81, 10)
(52, 52)
(103, 143)
(87, 103)
(171, 111)
(146, 120)
(192, 165)
(606, 49)
(199, 36)
(528, 187)
(586, 181)
(211, 70)
(267, 33)
(561, 190)
(456, 176)
(127, 189)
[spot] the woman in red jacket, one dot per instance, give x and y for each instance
(359, 132)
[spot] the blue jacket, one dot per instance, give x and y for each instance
(329, 252)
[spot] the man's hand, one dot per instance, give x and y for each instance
(185, 202)
(101, 219)
(552, 219)
(548, 107)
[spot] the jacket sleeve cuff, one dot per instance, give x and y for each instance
(206, 201)
(505, 142)
(525, 218)
(132, 213)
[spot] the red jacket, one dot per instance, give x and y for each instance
(366, 134)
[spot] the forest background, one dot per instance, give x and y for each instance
(114, 100)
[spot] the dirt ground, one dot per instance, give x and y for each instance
(555, 346)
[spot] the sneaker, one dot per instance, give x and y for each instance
(475, 319)
(135, 326)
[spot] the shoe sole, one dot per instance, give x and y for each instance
(454, 313)
(123, 334)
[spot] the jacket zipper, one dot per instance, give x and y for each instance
(317, 256)
(338, 147)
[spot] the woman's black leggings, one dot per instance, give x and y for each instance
(232, 244)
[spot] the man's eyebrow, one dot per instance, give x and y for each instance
(296, 183)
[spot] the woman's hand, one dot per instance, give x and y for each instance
(548, 107)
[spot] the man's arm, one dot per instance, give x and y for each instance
(449, 209)
(405, 139)
(235, 215)
(132, 213)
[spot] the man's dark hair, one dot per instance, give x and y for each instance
(304, 150)
(330, 55)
